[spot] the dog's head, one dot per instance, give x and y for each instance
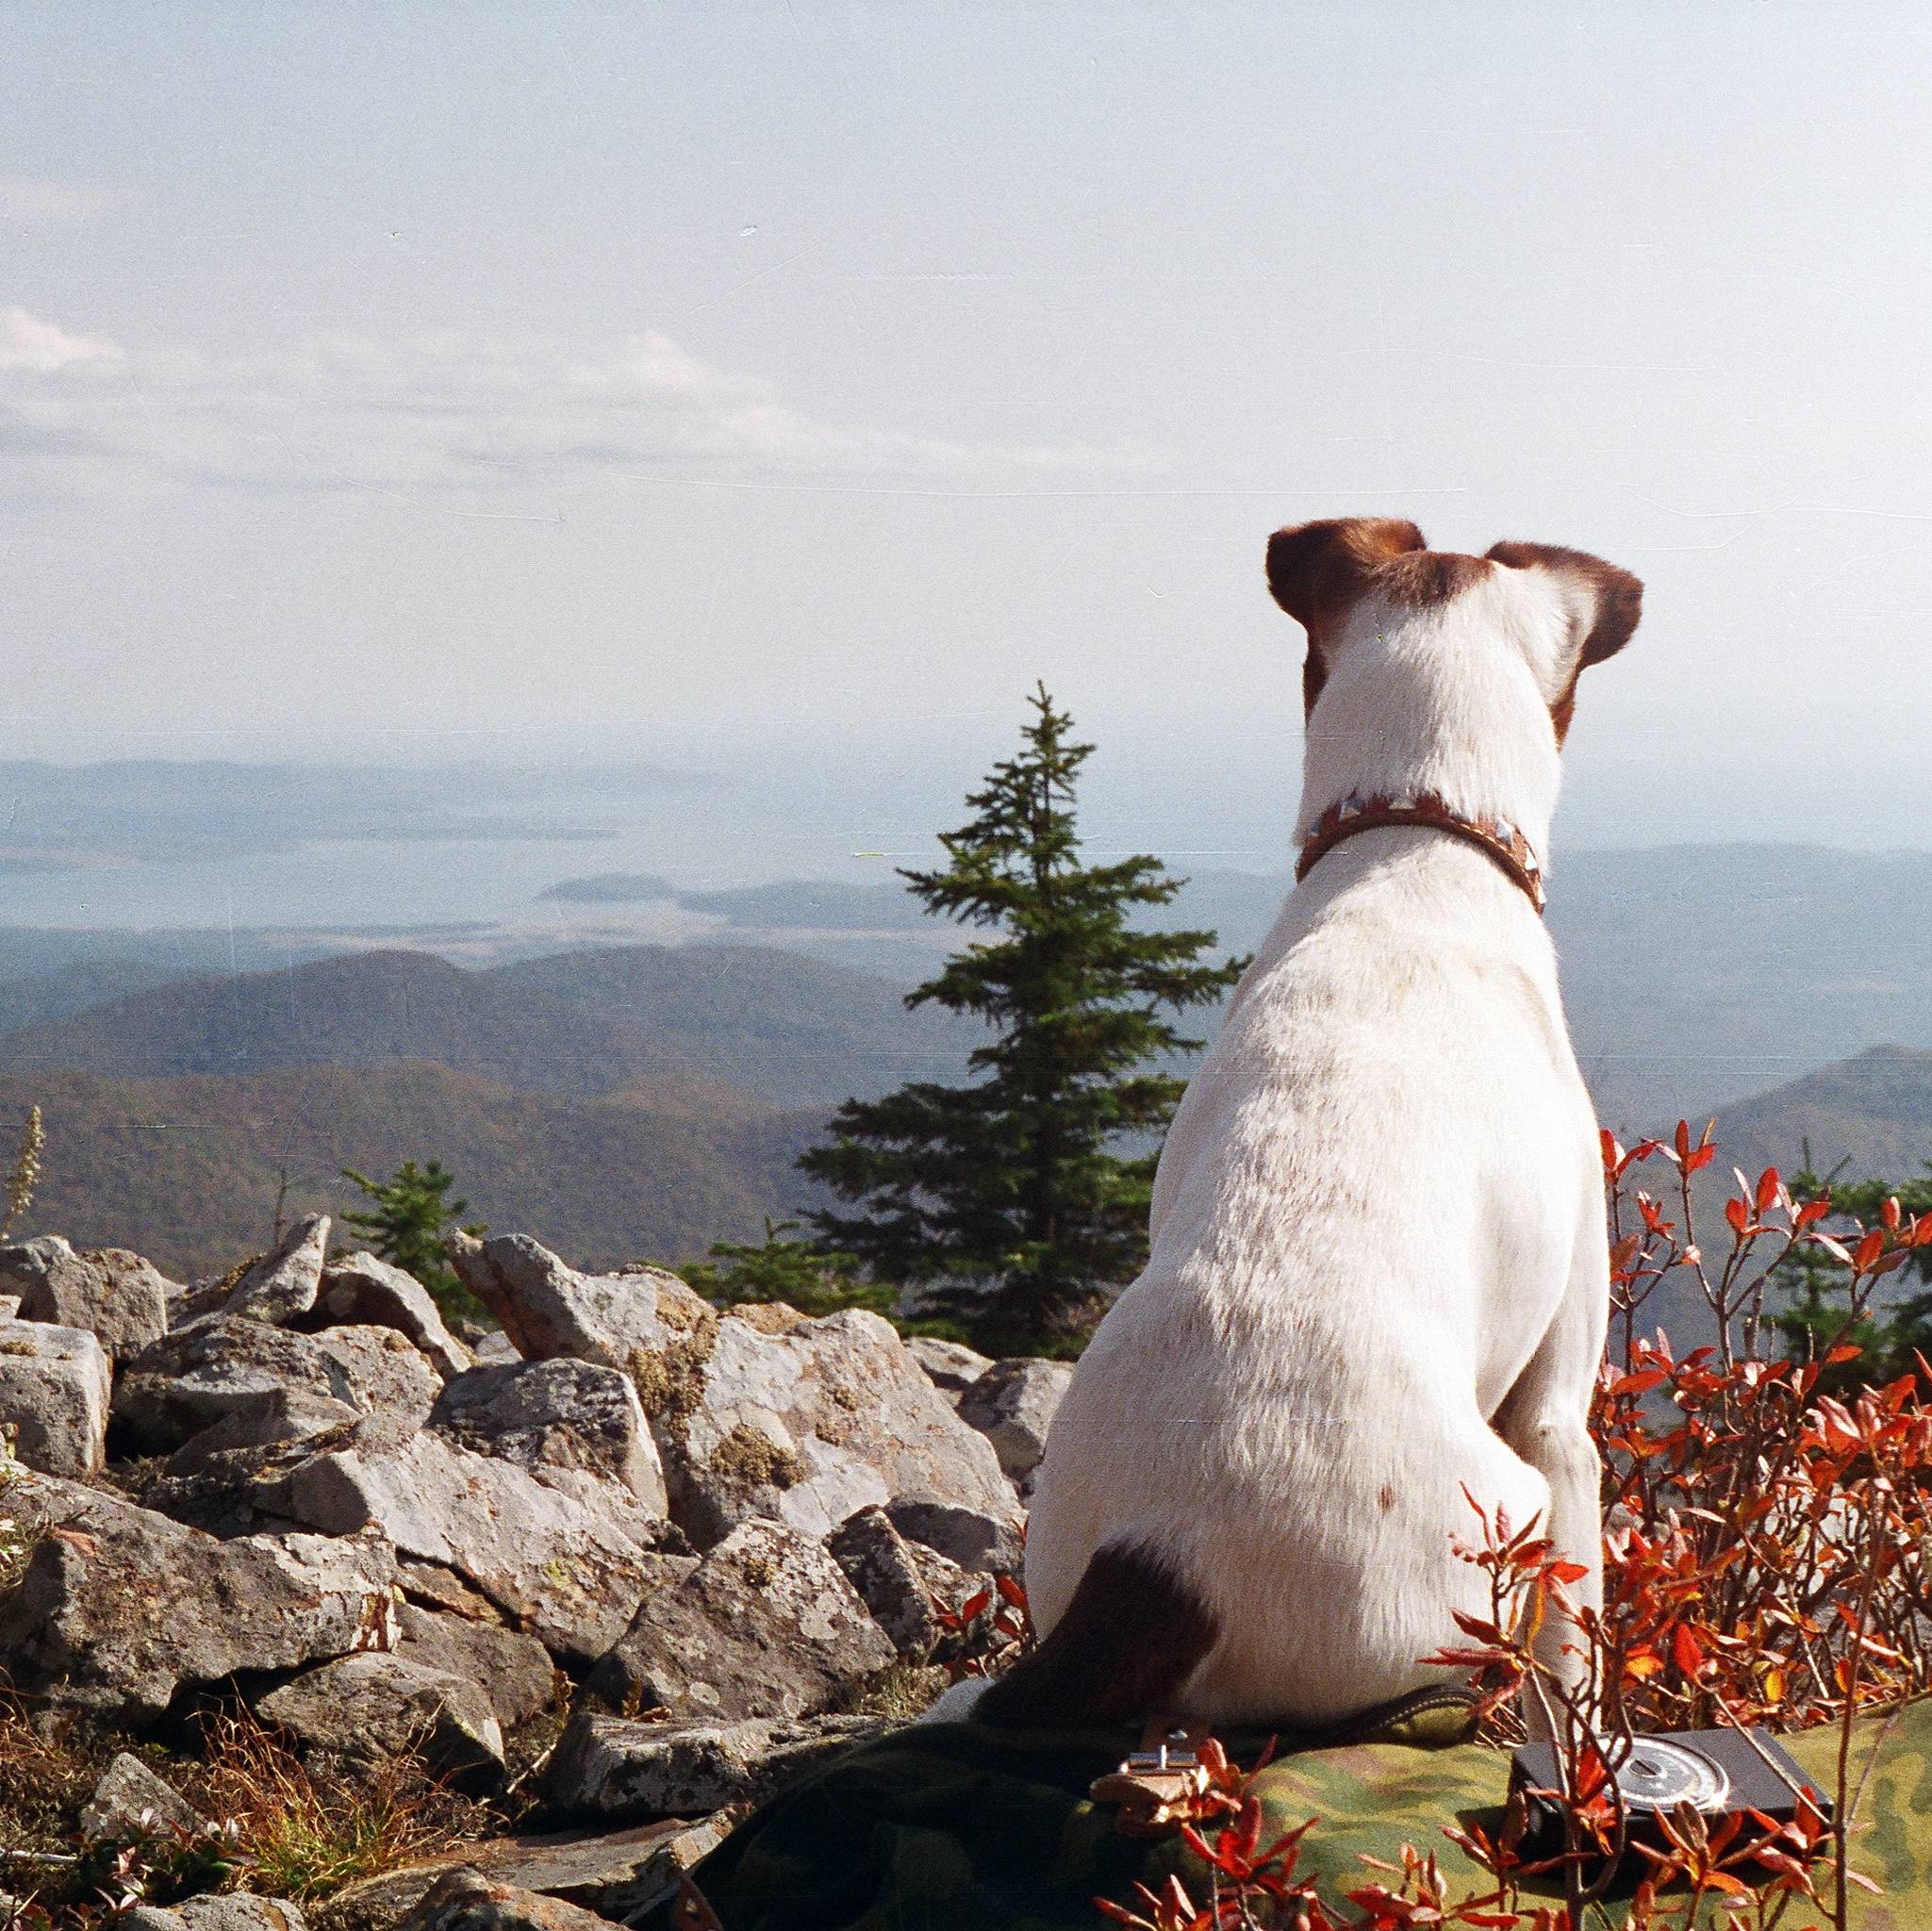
(1432, 669)
(1560, 609)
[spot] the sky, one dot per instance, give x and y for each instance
(774, 394)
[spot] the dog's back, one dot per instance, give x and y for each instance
(1374, 1204)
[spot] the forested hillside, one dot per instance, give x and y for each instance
(188, 1170)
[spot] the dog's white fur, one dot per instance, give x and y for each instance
(1379, 1270)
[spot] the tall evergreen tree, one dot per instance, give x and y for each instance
(1010, 1199)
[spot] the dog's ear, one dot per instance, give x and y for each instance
(1609, 601)
(1604, 603)
(1317, 571)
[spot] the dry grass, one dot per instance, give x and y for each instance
(306, 1829)
(47, 1771)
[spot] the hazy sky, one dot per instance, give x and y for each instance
(780, 391)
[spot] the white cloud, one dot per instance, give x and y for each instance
(448, 411)
(26, 198)
(27, 343)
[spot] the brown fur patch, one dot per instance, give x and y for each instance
(1618, 601)
(1130, 1638)
(1318, 571)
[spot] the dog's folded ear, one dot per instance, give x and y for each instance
(1316, 571)
(1607, 601)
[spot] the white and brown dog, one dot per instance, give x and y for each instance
(1379, 1273)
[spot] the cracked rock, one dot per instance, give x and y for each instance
(766, 1624)
(120, 1608)
(558, 1413)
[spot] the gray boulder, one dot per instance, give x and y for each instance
(364, 1290)
(611, 1766)
(120, 1608)
(972, 1539)
(1012, 1405)
(951, 1366)
(465, 1900)
(54, 1385)
(766, 1624)
(513, 1670)
(131, 1801)
(558, 1413)
(568, 1555)
(372, 1706)
(115, 1295)
(283, 1282)
(548, 1309)
(219, 1479)
(805, 1426)
(218, 1365)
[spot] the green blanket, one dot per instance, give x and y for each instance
(957, 1827)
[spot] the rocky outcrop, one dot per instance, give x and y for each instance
(318, 1502)
(118, 1607)
(766, 1625)
(360, 1290)
(55, 1386)
(805, 1426)
(548, 1309)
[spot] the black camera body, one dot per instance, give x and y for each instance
(1717, 1772)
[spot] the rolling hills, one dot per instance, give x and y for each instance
(188, 1170)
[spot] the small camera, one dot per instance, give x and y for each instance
(1718, 1772)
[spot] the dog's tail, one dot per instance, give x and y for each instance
(1132, 1634)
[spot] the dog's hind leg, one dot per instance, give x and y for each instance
(1132, 1634)
(1546, 1419)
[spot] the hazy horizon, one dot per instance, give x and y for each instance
(777, 391)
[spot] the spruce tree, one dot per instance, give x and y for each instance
(1012, 1201)
(411, 1221)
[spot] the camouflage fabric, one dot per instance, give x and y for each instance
(957, 1827)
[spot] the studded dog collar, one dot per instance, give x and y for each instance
(1497, 837)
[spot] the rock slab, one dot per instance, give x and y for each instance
(372, 1705)
(568, 1555)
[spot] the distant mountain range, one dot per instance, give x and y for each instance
(787, 1030)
